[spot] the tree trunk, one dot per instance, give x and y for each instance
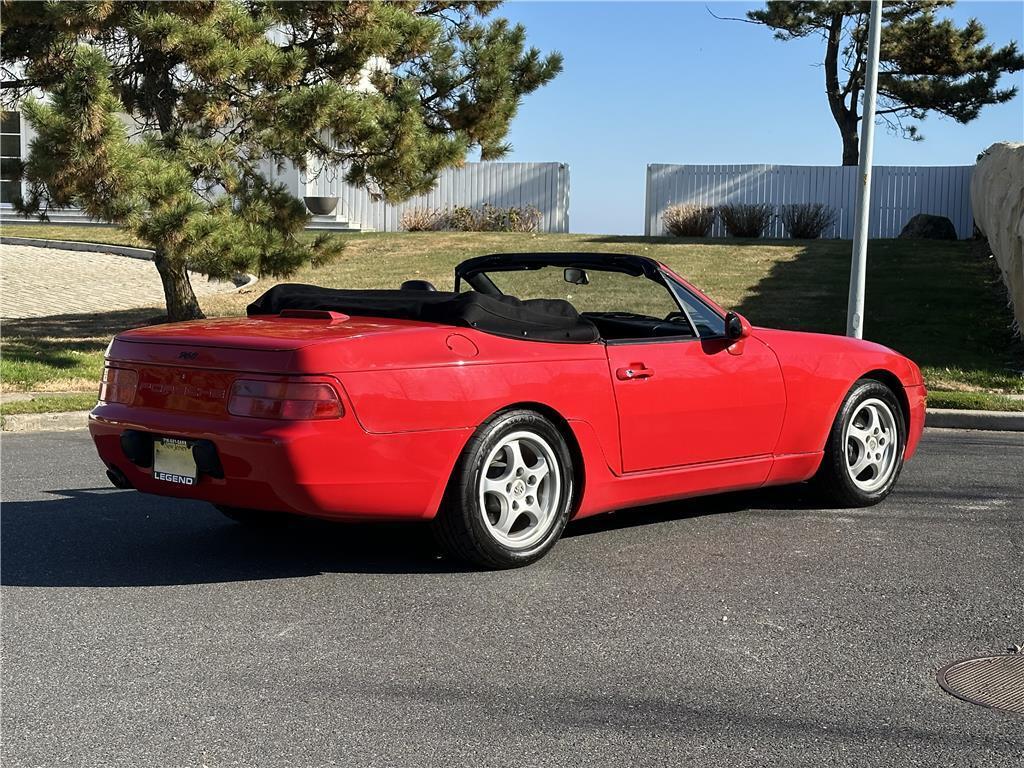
(851, 143)
(845, 117)
(178, 294)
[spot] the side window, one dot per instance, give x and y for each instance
(10, 151)
(708, 322)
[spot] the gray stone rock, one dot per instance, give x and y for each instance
(929, 227)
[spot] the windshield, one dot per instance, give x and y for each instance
(604, 291)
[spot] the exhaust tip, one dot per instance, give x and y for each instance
(118, 478)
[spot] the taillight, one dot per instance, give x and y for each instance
(290, 400)
(118, 385)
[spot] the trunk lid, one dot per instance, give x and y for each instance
(264, 344)
(192, 366)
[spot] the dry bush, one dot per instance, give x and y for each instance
(807, 221)
(490, 218)
(423, 220)
(688, 220)
(462, 218)
(522, 219)
(747, 219)
(486, 218)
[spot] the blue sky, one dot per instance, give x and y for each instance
(666, 82)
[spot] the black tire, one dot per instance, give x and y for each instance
(255, 518)
(461, 526)
(833, 479)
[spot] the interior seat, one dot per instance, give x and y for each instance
(418, 285)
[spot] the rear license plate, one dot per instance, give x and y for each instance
(173, 461)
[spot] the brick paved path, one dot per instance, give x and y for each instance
(36, 282)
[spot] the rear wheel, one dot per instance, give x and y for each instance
(864, 452)
(510, 496)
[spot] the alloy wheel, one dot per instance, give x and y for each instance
(872, 445)
(520, 489)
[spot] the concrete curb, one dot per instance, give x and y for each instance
(76, 245)
(997, 421)
(117, 250)
(45, 422)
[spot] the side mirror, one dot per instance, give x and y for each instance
(736, 326)
(576, 276)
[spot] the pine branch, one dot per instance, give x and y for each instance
(733, 18)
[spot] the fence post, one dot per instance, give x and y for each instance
(648, 203)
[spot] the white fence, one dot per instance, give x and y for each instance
(897, 193)
(545, 186)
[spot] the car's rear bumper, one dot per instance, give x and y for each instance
(331, 468)
(916, 398)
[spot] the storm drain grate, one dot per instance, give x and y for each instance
(991, 681)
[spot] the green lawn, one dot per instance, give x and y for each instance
(974, 401)
(941, 303)
(81, 233)
(78, 401)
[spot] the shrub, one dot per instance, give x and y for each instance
(487, 218)
(422, 220)
(747, 219)
(490, 219)
(807, 221)
(462, 218)
(523, 219)
(688, 220)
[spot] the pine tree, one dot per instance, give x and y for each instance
(157, 116)
(926, 64)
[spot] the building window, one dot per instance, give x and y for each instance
(10, 154)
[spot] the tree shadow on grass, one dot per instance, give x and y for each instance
(61, 341)
(804, 293)
(938, 302)
(83, 326)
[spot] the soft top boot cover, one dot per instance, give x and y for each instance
(533, 319)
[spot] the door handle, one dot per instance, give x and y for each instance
(634, 371)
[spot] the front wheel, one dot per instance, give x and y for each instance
(511, 494)
(864, 452)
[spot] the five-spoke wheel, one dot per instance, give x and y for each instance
(871, 444)
(511, 494)
(864, 451)
(520, 489)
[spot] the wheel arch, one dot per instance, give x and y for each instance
(565, 429)
(832, 476)
(557, 420)
(882, 376)
(892, 381)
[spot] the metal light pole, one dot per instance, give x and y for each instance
(858, 265)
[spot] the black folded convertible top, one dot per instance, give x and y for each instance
(536, 319)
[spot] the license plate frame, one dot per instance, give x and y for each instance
(173, 461)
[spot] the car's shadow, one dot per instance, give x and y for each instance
(103, 537)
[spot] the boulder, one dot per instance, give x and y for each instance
(997, 198)
(929, 227)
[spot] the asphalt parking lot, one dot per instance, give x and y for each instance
(751, 629)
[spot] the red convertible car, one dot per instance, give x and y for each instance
(544, 387)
